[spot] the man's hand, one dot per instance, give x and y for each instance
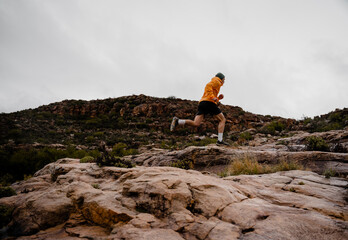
(215, 99)
(221, 96)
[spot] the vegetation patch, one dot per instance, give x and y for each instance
(5, 215)
(273, 127)
(7, 192)
(314, 143)
(328, 173)
(250, 166)
(184, 164)
(107, 159)
(87, 159)
(332, 121)
(246, 136)
(121, 149)
(31, 160)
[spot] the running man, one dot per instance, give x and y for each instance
(208, 105)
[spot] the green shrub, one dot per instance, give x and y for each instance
(90, 139)
(87, 159)
(245, 136)
(98, 134)
(328, 173)
(333, 121)
(110, 160)
(5, 215)
(16, 164)
(94, 153)
(272, 127)
(93, 123)
(27, 177)
(307, 120)
(184, 164)
(120, 150)
(6, 179)
(314, 143)
(336, 117)
(234, 137)
(6, 192)
(96, 185)
(14, 133)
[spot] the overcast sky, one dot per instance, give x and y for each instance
(280, 57)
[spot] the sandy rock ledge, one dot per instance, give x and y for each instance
(71, 200)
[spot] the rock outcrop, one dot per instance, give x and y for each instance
(292, 149)
(72, 200)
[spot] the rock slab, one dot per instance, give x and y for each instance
(72, 200)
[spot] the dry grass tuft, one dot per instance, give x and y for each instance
(250, 166)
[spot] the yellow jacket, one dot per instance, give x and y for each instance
(211, 90)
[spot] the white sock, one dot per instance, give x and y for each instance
(181, 122)
(220, 135)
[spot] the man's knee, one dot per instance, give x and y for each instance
(196, 124)
(221, 118)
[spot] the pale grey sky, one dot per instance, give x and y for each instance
(280, 57)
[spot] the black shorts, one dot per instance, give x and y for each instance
(206, 107)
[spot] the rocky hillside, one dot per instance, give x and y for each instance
(135, 120)
(140, 120)
(110, 169)
(133, 124)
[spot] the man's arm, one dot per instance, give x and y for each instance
(209, 89)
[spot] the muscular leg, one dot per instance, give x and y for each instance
(222, 121)
(196, 122)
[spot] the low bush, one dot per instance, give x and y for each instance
(332, 121)
(6, 192)
(121, 149)
(87, 159)
(5, 215)
(15, 164)
(272, 127)
(184, 164)
(245, 136)
(314, 143)
(328, 173)
(107, 159)
(234, 137)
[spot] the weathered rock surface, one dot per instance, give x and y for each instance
(214, 159)
(71, 200)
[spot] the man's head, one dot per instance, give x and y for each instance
(220, 75)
